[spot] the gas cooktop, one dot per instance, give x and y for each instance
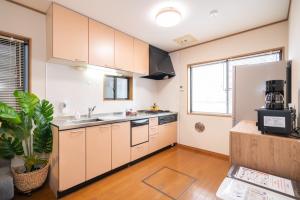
(153, 111)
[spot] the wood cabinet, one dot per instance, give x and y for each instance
(267, 153)
(67, 34)
(71, 158)
(139, 151)
(101, 44)
(141, 57)
(98, 150)
(167, 134)
(120, 144)
(123, 51)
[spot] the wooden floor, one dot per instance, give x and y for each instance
(128, 184)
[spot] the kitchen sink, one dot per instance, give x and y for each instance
(83, 121)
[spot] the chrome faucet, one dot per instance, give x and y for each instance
(91, 109)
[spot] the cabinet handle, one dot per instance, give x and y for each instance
(74, 132)
(104, 127)
(78, 60)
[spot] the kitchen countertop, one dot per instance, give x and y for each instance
(69, 122)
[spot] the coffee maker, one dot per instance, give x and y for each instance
(274, 117)
(274, 96)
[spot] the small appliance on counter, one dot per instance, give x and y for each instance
(274, 117)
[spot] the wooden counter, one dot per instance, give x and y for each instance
(268, 153)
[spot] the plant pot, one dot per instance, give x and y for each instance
(26, 182)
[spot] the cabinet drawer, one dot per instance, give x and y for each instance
(139, 135)
(153, 130)
(153, 143)
(153, 121)
(139, 151)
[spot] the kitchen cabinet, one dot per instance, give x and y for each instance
(167, 134)
(98, 150)
(67, 34)
(101, 44)
(141, 57)
(139, 151)
(71, 158)
(154, 143)
(123, 51)
(120, 144)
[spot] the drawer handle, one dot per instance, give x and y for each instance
(79, 131)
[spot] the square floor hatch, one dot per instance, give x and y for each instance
(170, 182)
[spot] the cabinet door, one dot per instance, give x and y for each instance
(123, 51)
(141, 57)
(101, 44)
(120, 144)
(167, 134)
(172, 133)
(69, 35)
(98, 150)
(71, 158)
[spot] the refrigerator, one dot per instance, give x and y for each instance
(249, 87)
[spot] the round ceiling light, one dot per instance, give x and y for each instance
(168, 17)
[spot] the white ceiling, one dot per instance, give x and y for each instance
(136, 17)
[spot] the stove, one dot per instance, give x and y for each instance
(153, 111)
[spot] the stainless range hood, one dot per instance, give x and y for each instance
(160, 64)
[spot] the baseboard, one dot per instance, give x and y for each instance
(210, 153)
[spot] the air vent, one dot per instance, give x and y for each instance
(186, 40)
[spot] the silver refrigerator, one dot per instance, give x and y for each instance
(249, 87)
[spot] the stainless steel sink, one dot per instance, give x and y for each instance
(83, 121)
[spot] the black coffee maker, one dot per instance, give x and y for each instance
(274, 99)
(275, 118)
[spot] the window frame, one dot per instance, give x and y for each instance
(226, 60)
(26, 58)
(129, 88)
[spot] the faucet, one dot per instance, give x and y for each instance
(91, 109)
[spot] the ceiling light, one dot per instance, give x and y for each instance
(213, 13)
(168, 17)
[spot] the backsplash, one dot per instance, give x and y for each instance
(81, 89)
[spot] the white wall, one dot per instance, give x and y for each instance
(24, 22)
(216, 135)
(294, 52)
(83, 89)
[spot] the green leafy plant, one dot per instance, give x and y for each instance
(26, 132)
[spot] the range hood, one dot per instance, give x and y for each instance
(160, 64)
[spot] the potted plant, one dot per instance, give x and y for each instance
(26, 133)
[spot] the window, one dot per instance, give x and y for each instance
(117, 88)
(210, 84)
(13, 69)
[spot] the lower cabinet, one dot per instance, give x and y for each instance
(167, 134)
(120, 144)
(154, 143)
(98, 150)
(71, 158)
(139, 151)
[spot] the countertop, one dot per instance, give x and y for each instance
(69, 122)
(250, 128)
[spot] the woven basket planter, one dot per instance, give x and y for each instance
(26, 182)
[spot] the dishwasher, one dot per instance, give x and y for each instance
(139, 131)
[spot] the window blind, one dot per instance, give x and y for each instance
(13, 69)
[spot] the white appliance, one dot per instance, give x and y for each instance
(249, 83)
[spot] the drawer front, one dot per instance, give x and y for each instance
(153, 121)
(139, 151)
(153, 130)
(139, 135)
(153, 143)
